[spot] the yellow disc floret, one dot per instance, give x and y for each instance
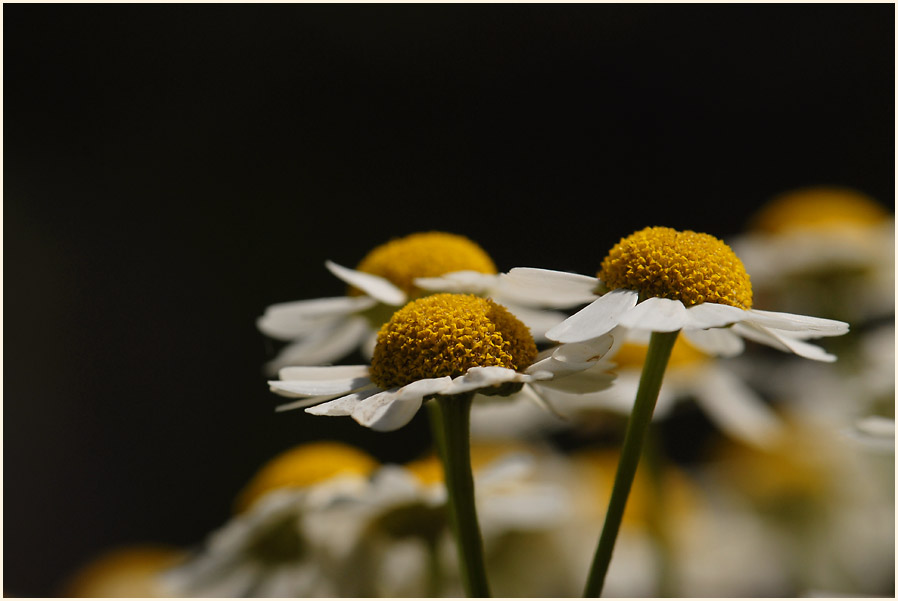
(424, 255)
(819, 208)
(305, 465)
(445, 335)
(686, 266)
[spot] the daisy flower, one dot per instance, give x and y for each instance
(270, 547)
(440, 345)
(447, 347)
(662, 280)
(828, 249)
(323, 330)
(665, 282)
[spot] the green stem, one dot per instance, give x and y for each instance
(660, 346)
(452, 433)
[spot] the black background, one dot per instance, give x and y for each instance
(171, 170)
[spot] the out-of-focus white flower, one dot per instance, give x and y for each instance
(827, 503)
(267, 549)
(322, 330)
(828, 250)
(444, 344)
(663, 280)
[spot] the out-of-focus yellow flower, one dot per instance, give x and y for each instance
(830, 250)
(129, 571)
(306, 465)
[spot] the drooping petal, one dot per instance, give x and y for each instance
(346, 404)
(595, 319)
(721, 342)
(375, 286)
(387, 411)
(546, 287)
(780, 340)
(656, 314)
(323, 346)
(317, 381)
(803, 326)
(286, 321)
(582, 381)
(483, 377)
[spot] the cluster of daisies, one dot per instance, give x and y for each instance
(436, 318)
(795, 498)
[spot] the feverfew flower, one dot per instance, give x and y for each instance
(826, 249)
(662, 280)
(323, 330)
(439, 345)
(269, 549)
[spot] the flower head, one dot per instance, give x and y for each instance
(661, 280)
(326, 329)
(826, 249)
(444, 344)
(687, 266)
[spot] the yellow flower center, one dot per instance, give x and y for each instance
(686, 266)
(423, 255)
(632, 354)
(445, 335)
(306, 465)
(819, 208)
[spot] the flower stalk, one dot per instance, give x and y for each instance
(450, 419)
(660, 346)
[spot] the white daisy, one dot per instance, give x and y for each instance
(662, 280)
(269, 548)
(323, 330)
(826, 249)
(440, 345)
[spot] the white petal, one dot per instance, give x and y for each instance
(736, 408)
(345, 404)
(387, 411)
(546, 287)
(581, 381)
(423, 388)
(721, 342)
(302, 402)
(286, 321)
(314, 381)
(656, 314)
(484, 377)
(807, 326)
(713, 315)
(584, 352)
(473, 282)
(595, 319)
(539, 321)
(324, 346)
(375, 286)
(779, 340)
(326, 372)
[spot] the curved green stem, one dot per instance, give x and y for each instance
(451, 423)
(660, 346)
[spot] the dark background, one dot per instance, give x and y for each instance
(171, 170)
